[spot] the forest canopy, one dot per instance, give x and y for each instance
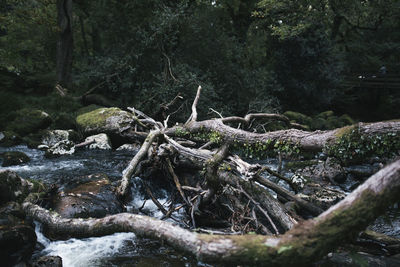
(249, 56)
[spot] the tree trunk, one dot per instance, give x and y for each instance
(309, 141)
(301, 246)
(64, 43)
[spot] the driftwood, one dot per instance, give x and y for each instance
(302, 245)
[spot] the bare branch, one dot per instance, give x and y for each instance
(193, 116)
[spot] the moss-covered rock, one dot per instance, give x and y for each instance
(8, 139)
(346, 120)
(11, 158)
(13, 187)
(298, 117)
(29, 121)
(87, 109)
(104, 120)
(326, 114)
(318, 123)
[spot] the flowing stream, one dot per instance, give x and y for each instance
(120, 249)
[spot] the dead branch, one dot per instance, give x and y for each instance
(123, 189)
(301, 246)
(193, 116)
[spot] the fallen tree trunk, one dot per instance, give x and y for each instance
(303, 245)
(309, 141)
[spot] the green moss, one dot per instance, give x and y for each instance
(96, 118)
(326, 114)
(29, 121)
(298, 117)
(346, 120)
(264, 149)
(319, 123)
(353, 147)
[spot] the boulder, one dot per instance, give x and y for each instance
(92, 199)
(29, 121)
(333, 171)
(64, 147)
(129, 147)
(8, 139)
(58, 142)
(100, 141)
(53, 137)
(324, 171)
(326, 114)
(104, 120)
(17, 235)
(321, 196)
(11, 158)
(48, 261)
(13, 187)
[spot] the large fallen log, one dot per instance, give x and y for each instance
(301, 246)
(308, 141)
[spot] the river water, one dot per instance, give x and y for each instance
(121, 249)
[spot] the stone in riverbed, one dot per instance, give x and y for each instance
(14, 158)
(58, 142)
(129, 147)
(92, 199)
(13, 187)
(100, 141)
(17, 235)
(104, 120)
(48, 261)
(64, 147)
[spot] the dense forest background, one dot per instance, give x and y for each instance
(249, 56)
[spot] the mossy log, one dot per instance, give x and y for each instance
(301, 246)
(308, 141)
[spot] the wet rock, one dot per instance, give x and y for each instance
(129, 147)
(48, 261)
(362, 171)
(333, 171)
(55, 136)
(100, 141)
(322, 196)
(330, 170)
(298, 181)
(14, 158)
(64, 147)
(58, 142)
(92, 199)
(104, 120)
(9, 139)
(29, 121)
(17, 236)
(13, 187)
